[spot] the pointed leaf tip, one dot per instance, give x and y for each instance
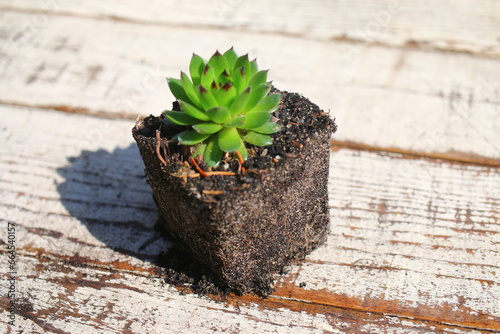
(196, 67)
(207, 77)
(191, 137)
(240, 102)
(206, 69)
(180, 118)
(219, 63)
(258, 139)
(189, 88)
(193, 111)
(175, 86)
(227, 86)
(270, 103)
(207, 128)
(255, 120)
(268, 128)
(231, 57)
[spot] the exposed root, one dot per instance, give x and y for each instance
(158, 145)
(241, 161)
(197, 167)
(206, 174)
(299, 145)
(213, 192)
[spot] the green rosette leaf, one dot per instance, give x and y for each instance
(244, 62)
(193, 111)
(229, 139)
(231, 57)
(239, 80)
(268, 128)
(223, 79)
(219, 63)
(253, 68)
(212, 153)
(236, 121)
(243, 151)
(240, 102)
(207, 77)
(207, 128)
(190, 90)
(258, 139)
(258, 93)
(191, 137)
(255, 119)
(180, 118)
(225, 95)
(195, 68)
(200, 149)
(177, 90)
(258, 79)
(219, 114)
(207, 100)
(270, 103)
(225, 103)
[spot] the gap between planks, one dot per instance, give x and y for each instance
(286, 296)
(409, 44)
(409, 99)
(450, 157)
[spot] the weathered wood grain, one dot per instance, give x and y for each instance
(69, 297)
(408, 99)
(461, 26)
(414, 243)
(403, 229)
(50, 176)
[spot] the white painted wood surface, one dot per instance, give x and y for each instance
(459, 26)
(415, 241)
(73, 59)
(406, 241)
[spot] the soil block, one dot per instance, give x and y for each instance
(244, 229)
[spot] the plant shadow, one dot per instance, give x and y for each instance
(108, 193)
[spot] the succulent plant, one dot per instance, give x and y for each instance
(223, 104)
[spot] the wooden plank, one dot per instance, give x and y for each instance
(65, 297)
(414, 243)
(44, 183)
(461, 26)
(410, 100)
(403, 229)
